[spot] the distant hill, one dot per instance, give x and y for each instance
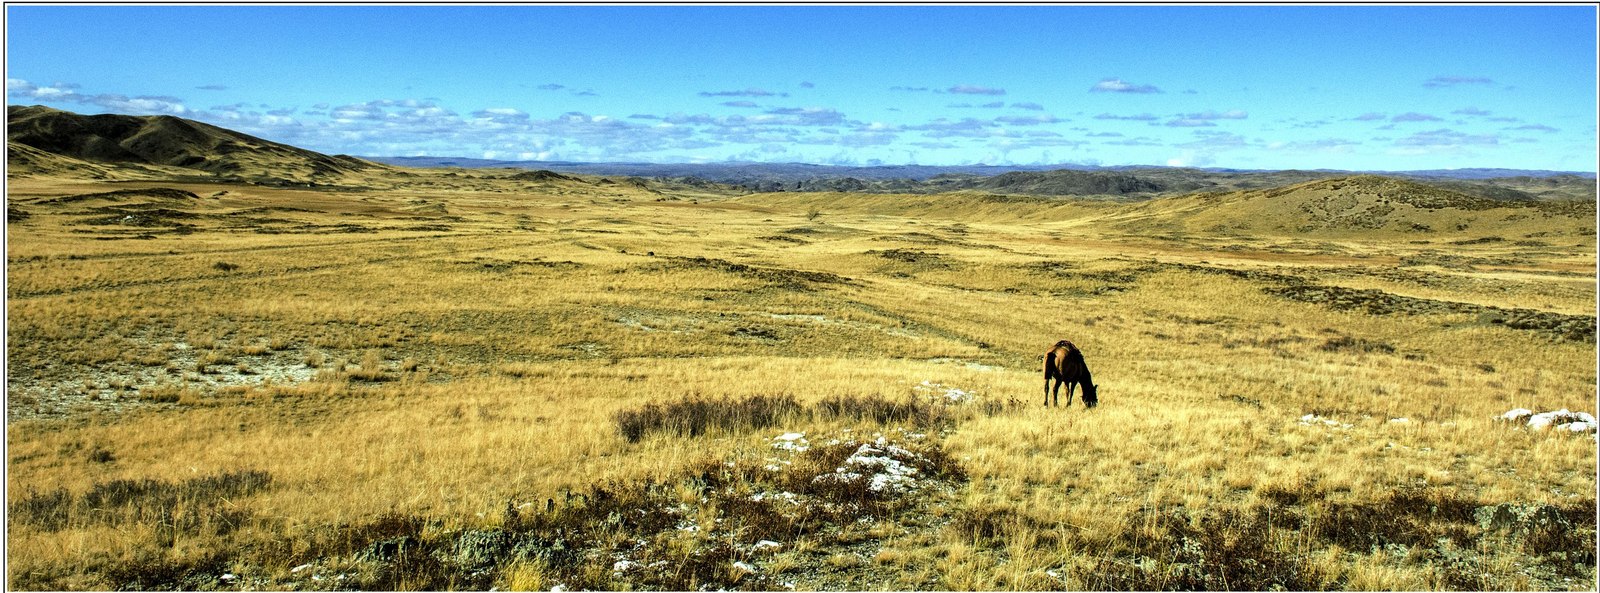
(1361, 204)
(1038, 180)
(166, 142)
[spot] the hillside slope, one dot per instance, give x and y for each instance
(166, 141)
(1356, 205)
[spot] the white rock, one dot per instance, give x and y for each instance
(791, 441)
(1399, 420)
(1547, 419)
(767, 544)
(299, 568)
(749, 568)
(1580, 426)
(1517, 414)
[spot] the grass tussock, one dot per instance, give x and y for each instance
(693, 416)
(203, 504)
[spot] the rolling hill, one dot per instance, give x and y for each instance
(185, 146)
(1361, 204)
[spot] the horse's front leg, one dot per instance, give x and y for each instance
(1071, 385)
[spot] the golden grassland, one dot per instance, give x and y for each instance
(299, 388)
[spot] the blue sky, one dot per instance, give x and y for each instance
(1354, 87)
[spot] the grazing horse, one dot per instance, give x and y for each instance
(1064, 363)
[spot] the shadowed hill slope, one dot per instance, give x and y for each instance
(166, 141)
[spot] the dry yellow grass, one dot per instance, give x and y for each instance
(439, 346)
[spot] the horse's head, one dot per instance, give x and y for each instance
(1090, 396)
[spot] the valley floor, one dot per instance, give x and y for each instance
(575, 384)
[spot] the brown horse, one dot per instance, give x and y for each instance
(1064, 363)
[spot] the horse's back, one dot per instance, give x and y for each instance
(1073, 365)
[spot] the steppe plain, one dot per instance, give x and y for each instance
(476, 378)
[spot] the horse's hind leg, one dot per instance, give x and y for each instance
(1047, 391)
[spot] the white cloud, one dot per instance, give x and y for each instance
(973, 89)
(1118, 85)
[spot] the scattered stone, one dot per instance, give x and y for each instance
(791, 441)
(1562, 419)
(883, 467)
(766, 545)
(954, 395)
(1313, 419)
(1518, 415)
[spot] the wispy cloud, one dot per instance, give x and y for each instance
(808, 85)
(1028, 106)
(1184, 122)
(749, 92)
(1139, 117)
(212, 87)
(910, 89)
(1438, 82)
(1473, 111)
(738, 104)
(1447, 138)
(809, 116)
(1413, 116)
(1139, 141)
(1028, 120)
(1118, 85)
(551, 87)
(1536, 128)
(1369, 116)
(1210, 115)
(972, 89)
(1325, 145)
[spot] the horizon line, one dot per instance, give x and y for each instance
(890, 165)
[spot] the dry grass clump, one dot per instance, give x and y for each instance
(691, 417)
(915, 411)
(184, 506)
(695, 415)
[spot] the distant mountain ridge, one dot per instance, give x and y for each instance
(1044, 180)
(166, 141)
(731, 171)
